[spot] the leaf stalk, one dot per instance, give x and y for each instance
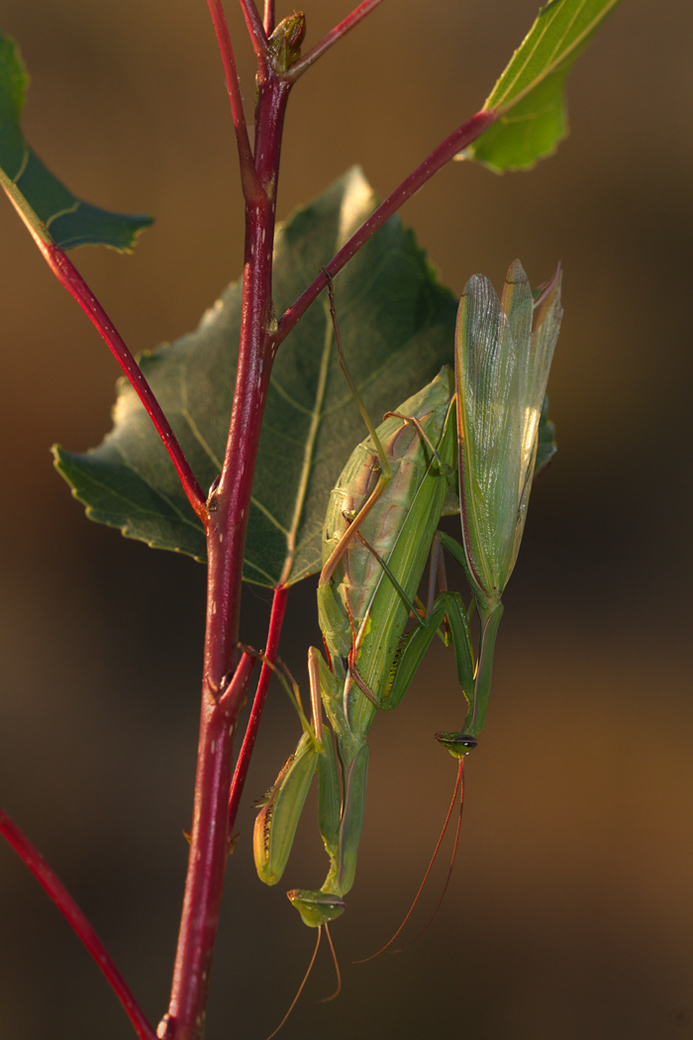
(256, 31)
(461, 138)
(68, 275)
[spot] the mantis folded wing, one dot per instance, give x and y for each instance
(503, 353)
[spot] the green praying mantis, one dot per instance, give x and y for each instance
(380, 523)
(363, 616)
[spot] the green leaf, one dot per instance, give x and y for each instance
(49, 210)
(397, 326)
(529, 96)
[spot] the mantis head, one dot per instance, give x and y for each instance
(316, 907)
(458, 744)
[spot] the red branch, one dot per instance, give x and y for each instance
(67, 906)
(256, 30)
(209, 849)
(245, 754)
(66, 273)
(350, 22)
(245, 156)
(439, 157)
(268, 17)
(229, 506)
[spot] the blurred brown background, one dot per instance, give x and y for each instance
(570, 914)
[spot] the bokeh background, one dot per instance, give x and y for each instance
(570, 914)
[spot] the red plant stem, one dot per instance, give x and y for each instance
(69, 276)
(249, 179)
(350, 22)
(459, 139)
(268, 17)
(230, 503)
(209, 849)
(228, 506)
(256, 31)
(246, 752)
(67, 906)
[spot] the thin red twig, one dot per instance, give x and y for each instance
(268, 19)
(67, 906)
(69, 276)
(456, 142)
(249, 180)
(256, 31)
(245, 754)
(350, 22)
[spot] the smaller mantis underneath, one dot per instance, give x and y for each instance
(380, 523)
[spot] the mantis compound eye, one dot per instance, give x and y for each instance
(458, 744)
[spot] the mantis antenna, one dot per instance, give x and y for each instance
(307, 976)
